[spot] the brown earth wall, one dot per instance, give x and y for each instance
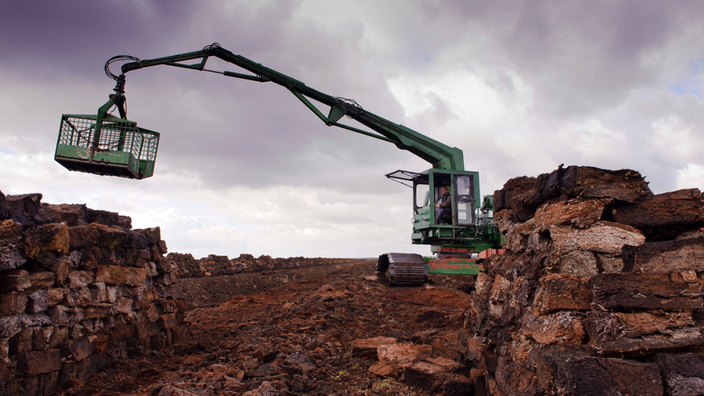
(599, 291)
(186, 266)
(78, 288)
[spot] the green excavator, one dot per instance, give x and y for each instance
(108, 145)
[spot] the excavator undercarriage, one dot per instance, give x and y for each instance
(402, 269)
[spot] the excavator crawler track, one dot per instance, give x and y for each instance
(402, 269)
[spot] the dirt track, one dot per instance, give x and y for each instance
(291, 332)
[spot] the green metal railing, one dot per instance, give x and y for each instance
(109, 146)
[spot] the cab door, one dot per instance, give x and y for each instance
(464, 199)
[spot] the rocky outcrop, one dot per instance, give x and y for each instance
(599, 290)
(78, 289)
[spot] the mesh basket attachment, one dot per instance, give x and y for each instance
(117, 148)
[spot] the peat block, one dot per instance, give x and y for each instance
(683, 374)
(563, 292)
(642, 333)
(664, 257)
(524, 194)
(562, 371)
(666, 213)
(39, 362)
(644, 291)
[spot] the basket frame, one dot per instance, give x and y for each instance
(106, 145)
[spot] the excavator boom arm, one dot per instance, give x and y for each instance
(438, 154)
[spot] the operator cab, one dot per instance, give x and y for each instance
(428, 228)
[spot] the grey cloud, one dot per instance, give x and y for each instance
(581, 56)
(75, 36)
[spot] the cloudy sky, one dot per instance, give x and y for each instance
(520, 86)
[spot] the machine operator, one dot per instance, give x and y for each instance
(443, 204)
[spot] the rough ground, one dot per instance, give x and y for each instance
(290, 332)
